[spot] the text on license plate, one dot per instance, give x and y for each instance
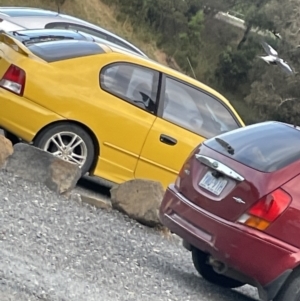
(213, 184)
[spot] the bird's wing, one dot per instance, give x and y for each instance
(277, 35)
(268, 49)
(268, 59)
(285, 67)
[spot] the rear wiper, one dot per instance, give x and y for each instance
(15, 33)
(225, 145)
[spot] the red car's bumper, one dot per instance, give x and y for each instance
(265, 260)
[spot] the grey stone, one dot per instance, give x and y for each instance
(139, 199)
(36, 165)
(95, 201)
(6, 150)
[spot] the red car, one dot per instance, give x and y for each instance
(236, 205)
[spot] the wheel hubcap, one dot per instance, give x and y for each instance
(67, 146)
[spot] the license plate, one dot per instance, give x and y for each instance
(212, 184)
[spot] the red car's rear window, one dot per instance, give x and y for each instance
(267, 146)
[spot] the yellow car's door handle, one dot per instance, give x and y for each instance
(167, 139)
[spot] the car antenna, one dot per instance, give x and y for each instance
(191, 67)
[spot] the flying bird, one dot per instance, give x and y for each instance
(272, 59)
(277, 35)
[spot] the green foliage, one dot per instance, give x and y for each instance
(232, 69)
(235, 65)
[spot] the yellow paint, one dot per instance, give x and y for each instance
(128, 136)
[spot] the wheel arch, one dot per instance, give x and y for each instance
(84, 127)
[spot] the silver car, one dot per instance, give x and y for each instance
(17, 18)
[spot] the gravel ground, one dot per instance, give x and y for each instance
(53, 249)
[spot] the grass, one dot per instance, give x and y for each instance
(96, 12)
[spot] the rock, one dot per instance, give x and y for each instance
(94, 201)
(140, 199)
(75, 197)
(36, 165)
(6, 150)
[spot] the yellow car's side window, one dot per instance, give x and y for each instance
(195, 110)
(135, 84)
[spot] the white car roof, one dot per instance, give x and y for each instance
(34, 18)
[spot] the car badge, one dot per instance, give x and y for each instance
(239, 200)
(215, 164)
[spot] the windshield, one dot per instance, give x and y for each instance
(267, 147)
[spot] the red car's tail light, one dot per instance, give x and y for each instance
(266, 210)
(14, 80)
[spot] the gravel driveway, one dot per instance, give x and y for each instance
(54, 249)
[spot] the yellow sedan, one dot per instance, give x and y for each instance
(117, 115)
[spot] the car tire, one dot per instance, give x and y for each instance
(13, 138)
(208, 273)
(57, 138)
(291, 289)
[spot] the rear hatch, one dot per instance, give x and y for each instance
(230, 173)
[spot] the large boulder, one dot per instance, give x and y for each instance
(139, 199)
(36, 165)
(6, 150)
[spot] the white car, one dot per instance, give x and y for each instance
(18, 18)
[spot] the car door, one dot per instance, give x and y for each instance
(188, 116)
(130, 93)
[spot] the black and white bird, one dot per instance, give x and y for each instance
(272, 59)
(277, 35)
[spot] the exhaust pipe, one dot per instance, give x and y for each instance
(218, 266)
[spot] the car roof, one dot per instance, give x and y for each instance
(26, 11)
(34, 18)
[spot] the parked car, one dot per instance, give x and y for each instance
(17, 18)
(117, 115)
(236, 205)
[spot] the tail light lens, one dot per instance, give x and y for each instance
(266, 210)
(14, 80)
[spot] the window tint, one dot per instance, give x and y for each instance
(133, 83)
(196, 111)
(63, 50)
(267, 146)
